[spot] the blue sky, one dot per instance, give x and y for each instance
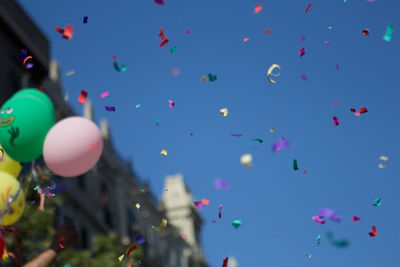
(274, 202)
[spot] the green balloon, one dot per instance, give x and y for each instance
(25, 120)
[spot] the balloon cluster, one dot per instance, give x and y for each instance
(28, 130)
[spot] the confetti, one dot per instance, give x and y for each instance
(221, 184)
(157, 123)
(335, 121)
(329, 214)
(326, 42)
(66, 97)
(308, 7)
(137, 206)
(271, 130)
(70, 73)
(269, 72)
(67, 33)
(267, 31)
(175, 72)
(245, 39)
(110, 108)
(25, 60)
(198, 204)
(82, 97)
(224, 112)
(131, 249)
(225, 263)
(173, 50)
(337, 243)
(85, 19)
(318, 220)
(374, 232)
(159, 2)
(308, 256)
(212, 78)
(318, 239)
(117, 67)
(205, 201)
(385, 159)
(278, 145)
(365, 32)
(139, 105)
(164, 152)
(220, 211)
(187, 32)
(236, 224)
(105, 94)
(303, 77)
(121, 257)
(257, 8)
(302, 38)
(302, 52)
(203, 78)
(378, 202)
(246, 160)
(60, 242)
(295, 168)
(388, 34)
(236, 135)
(355, 218)
(162, 225)
(171, 103)
(164, 39)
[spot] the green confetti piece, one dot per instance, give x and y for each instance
(157, 123)
(257, 139)
(173, 50)
(119, 69)
(378, 202)
(236, 224)
(388, 34)
(295, 168)
(212, 78)
(36, 188)
(318, 240)
(139, 105)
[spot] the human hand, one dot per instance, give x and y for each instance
(64, 237)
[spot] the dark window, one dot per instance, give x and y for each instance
(131, 222)
(105, 205)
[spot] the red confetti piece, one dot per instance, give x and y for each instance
(225, 263)
(131, 249)
(67, 33)
(245, 39)
(267, 31)
(82, 97)
(302, 52)
(335, 121)
(355, 218)
(365, 32)
(374, 232)
(164, 42)
(353, 110)
(308, 7)
(60, 242)
(205, 201)
(363, 110)
(257, 8)
(161, 34)
(41, 88)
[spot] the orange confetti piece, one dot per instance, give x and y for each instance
(257, 8)
(245, 39)
(205, 201)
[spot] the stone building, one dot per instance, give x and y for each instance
(104, 199)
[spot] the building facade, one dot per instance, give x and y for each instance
(104, 199)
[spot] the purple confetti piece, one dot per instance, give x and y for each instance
(110, 108)
(198, 204)
(335, 121)
(221, 184)
(29, 66)
(33, 202)
(304, 77)
(159, 2)
(278, 145)
(220, 211)
(237, 135)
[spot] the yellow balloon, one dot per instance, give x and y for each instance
(9, 165)
(8, 188)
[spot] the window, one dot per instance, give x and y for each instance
(81, 182)
(104, 200)
(84, 239)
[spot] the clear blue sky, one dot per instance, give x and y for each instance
(274, 202)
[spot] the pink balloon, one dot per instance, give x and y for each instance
(72, 146)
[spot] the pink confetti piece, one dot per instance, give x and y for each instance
(175, 72)
(304, 77)
(327, 43)
(302, 38)
(335, 121)
(171, 103)
(302, 52)
(50, 195)
(105, 94)
(198, 204)
(317, 219)
(42, 198)
(187, 32)
(159, 2)
(267, 31)
(355, 218)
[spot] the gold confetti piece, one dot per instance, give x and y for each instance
(164, 152)
(70, 73)
(162, 225)
(137, 205)
(121, 257)
(246, 160)
(269, 72)
(271, 130)
(224, 112)
(66, 97)
(308, 256)
(203, 78)
(385, 159)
